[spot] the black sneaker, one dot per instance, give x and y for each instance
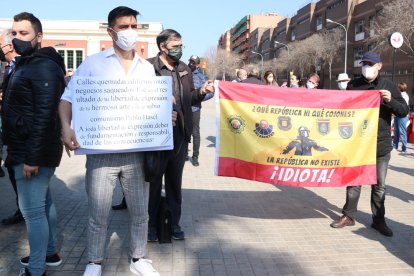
(52, 260)
(382, 228)
(195, 161)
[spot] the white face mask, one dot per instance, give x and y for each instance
(368, 72)
(342, 85)
(310, 85)
(127, 39)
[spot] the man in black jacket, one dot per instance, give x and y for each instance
(391, 103)
(167, 63)
(32, 132)
(8, 54)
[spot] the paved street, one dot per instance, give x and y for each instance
(235, 227)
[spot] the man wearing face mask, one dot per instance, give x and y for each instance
(167, 63)
(199, 79)
(104, 170)
(391, 103)
(32, 133)
(313, 81)
(343, 81)
(8, 54)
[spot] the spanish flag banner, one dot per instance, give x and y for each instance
(296, 137)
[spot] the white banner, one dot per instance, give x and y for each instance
(122, 115)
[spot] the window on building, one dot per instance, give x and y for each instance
(303, 21)
(359, 30)
(73, 58)
(69, 59)
(78, 58)
(293, 34)
(359, 27)
(336, 4)
(319, 23)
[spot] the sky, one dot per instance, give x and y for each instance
(200, 23)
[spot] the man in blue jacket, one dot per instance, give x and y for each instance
(199, 79)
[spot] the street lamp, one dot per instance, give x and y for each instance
(256, 53)
(287, 47)
(346, 37)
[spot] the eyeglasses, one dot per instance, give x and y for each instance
(176, 47)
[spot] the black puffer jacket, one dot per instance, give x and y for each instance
(31, 126)
(396, 106)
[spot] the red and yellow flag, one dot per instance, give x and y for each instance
(297, 137)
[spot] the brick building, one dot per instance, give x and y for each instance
(357, 16)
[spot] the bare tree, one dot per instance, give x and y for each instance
(333, 43)
(395, 16)
(221, 63)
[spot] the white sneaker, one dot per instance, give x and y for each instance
(143, 267)
(93, 270)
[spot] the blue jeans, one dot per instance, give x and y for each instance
(39, 212)
(400, 130)
(377, 193)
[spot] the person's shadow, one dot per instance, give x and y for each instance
(212, 140)
(400, 245)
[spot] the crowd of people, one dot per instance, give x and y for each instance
(37, 116)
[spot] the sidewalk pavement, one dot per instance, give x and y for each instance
(234, 226)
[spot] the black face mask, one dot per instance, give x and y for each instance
(175, 55)
(23, 48)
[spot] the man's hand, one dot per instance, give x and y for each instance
(69, 140)
(385, 95)
(208, 87)
(28, 170)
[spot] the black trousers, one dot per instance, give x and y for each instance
(377, 193)
(172, 167)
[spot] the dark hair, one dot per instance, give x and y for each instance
(300, 83)
(402, 86)
(266, 74)
(120, 11)
(166, 35)
(34, 21)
